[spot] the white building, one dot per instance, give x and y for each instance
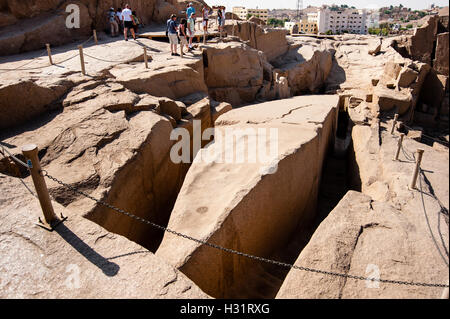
(373, 19)
(351, 20)
(243, 13)
(289, 24)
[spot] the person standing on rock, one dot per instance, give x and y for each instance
(205, 15)
(221, 18)
(119, 19)
(172, 29)
(113, 22)
(191, 30)
(137, 22)
(128, 22)
(183, 34)
(190, 10)
(222, 22)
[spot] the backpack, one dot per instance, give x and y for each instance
(167, 28)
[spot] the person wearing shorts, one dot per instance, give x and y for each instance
(172, 34)
(183, 34)
(205, 13)
(190, 10)
(128, 22)
(137, 22)
(191, 29)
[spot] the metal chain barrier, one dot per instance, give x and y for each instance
(228, 250)
(232, 251)
(428, 222)
(4, 152)
(27, 63)
(103, 60)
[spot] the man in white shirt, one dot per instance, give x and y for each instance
(128, 22)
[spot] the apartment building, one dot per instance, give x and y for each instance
(243, 13)
(304, 26)
(350, 20)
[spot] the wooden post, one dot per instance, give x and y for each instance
(83, 68)
(95, 37)
(417, 168)
(31, 154)
(49, 51)
(394, 124)
(145, 58)
(400, 142)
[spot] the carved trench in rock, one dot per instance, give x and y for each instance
(241, 277)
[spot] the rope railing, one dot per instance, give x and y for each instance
(442, 210)
(43, 173)
(21, 67)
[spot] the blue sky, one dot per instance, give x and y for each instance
(271, 4)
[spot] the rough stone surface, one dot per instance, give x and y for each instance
(359, 235)
(173, 80)
(306, 68)
(234, 73)
(83, 142)
(420, 45)
(306, 126)
(375, 47)
(442, 57)
(78, 260)
(25, 24)
(271, 41)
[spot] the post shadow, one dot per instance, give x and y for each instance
(110, 269)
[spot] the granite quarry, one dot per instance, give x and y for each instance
(336, 202)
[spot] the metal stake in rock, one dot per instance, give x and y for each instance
(31, 154)
(83, 68)
(49, 51)
(416, 170)
(394, 124)
(145, 58)
(400, 143)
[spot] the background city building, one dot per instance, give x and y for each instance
(245, 13)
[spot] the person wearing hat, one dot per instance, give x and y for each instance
(113, 22)
(191, 30)
(190, 10)
(172, 29)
